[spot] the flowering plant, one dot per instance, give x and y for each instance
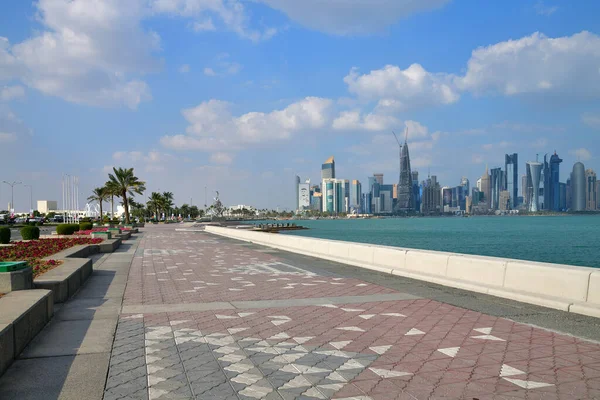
(35, 250)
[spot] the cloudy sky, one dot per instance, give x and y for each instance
(240, 96)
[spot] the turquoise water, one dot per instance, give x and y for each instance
(573, 240)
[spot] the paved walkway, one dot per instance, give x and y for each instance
(211, 318)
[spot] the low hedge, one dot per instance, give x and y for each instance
(67, 229)
(30, 233)
(4, 235)
(85, 226)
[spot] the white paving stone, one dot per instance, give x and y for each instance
(380, 349)
(528, 384)
(384, 373)
(414, 331)
(351, 328)
(507, 370)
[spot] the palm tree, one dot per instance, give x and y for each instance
(126, 182)
(112, 191)
(100, 195)
(155, 203)
(167, 202)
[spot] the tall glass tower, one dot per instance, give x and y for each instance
(328, 169)
(554, 195)
(534, 173)
(497, 185)
(406, 196)
(511, 168)
(578, 187)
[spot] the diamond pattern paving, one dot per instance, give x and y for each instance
(367, 350)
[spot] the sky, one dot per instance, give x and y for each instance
(241, 96)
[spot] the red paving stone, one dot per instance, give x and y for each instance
(482, 357)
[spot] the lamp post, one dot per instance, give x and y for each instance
(30, 198)
(12, 193)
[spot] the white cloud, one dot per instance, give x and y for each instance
(542, 9)
(582, 154)
(231, 14)
(213, 127)
(396, 89)
(7, 137)
(88, 52)
(205, 25)
(184, 69)
(221, 158)
(592, 120)
(353, 120)
(346, 17)
(223, 66)
(536, 64)
(11, 92)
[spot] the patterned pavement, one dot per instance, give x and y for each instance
(363, 349)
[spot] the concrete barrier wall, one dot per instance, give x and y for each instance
(564, 287)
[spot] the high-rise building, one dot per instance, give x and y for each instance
(304, 196)
(446, 194)
(334, 200)
(534, 172)
(297, 184)
(598, 195)
(569, 194)
(505, 201)
(478, 185)
(546, 178)
(431, 199)
(347, 195)
(554, 181)
(356, 196)
(416, 190)
(328, 169)
(406, 197)
(578, 187)
(562, 202)
(524, 188)
(511, 168)
(486, 188)
(496, 186)
(367, 208)
(316, 201)
(591, 201)
(378, 178)
(464, 182)
(468, 204)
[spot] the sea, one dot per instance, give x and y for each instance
(571, 240)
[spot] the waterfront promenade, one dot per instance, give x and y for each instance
(205, 317)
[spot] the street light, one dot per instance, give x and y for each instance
(30, 198)
(12, 192)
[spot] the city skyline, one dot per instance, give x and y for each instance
(239, 95)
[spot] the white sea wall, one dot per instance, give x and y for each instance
(564, 287)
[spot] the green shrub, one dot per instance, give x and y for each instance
(30, 232)
(4, 235)
(67, 229)
(39, 224)
(85, 219)
(85, 226)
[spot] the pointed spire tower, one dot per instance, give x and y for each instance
(406, 196)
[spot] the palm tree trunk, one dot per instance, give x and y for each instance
(112, 206)
(126, 206)
(100, 212)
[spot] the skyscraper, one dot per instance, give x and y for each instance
(297, 184)
(406, 196)
(598, 195)
(578, 187)
(524, 188)
(431, 199)
(511, 168)
(554, 192)
(591, 202)
(416, 189)
(328, 169)
(378, 178)
(486, 188)
(355, 196)
(303, 196)
(346, 195)
(547, 185)
(534, 172)
(496, 186)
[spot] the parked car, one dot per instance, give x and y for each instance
(20, 220)
(35, 220)
(4, 218)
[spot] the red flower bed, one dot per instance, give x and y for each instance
(34, 250)
(90, 231)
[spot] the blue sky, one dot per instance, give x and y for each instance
(240, 96)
